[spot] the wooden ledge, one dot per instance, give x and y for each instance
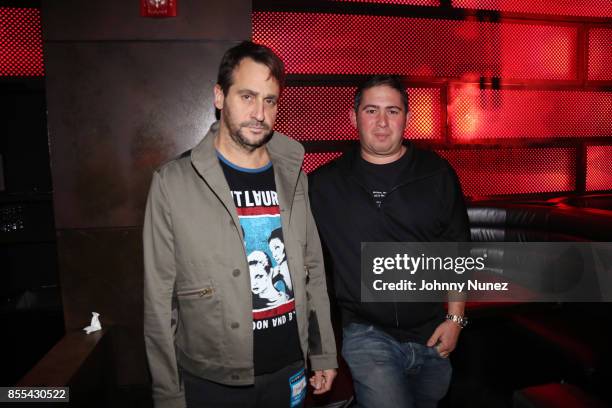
(60, 365)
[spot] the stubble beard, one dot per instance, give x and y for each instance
(235, 133)
(244, 143)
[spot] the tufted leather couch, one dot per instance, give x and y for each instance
(572, 218)
(577, 335)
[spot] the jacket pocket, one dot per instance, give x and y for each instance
(201, 322)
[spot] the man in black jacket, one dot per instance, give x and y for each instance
(389, 191)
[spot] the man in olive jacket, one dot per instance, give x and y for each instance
(241, 337)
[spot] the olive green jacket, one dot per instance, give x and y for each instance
(195, 264)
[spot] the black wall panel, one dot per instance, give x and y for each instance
(124, 93)
(118, 110)
(110, 20)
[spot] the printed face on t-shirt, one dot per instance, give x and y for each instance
(277, 248)
(261, 277)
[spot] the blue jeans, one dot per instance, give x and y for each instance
(387, 373)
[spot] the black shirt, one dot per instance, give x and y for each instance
(379, 179)
(423, 203)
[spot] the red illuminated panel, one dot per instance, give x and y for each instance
(405, 2)
(600, 54)
(316, 43)
(322, 113)
(314, 160)
(20, 42)
(590, 8)
(599, 168)
(474, 113)
(486, 172)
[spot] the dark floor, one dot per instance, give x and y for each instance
(496, 356)
(29, 333)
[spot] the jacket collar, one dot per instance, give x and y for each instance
(286, 156)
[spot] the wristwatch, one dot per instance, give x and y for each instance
(462, 321)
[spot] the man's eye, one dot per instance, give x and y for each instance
(394, 112)
(271, 102)
(370, 111)
(247, 97)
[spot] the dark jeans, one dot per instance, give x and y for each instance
(282, 389)
(390, 374)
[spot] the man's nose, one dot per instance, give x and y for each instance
(258, 111)
(382, 120)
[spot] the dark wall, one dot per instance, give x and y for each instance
(124, 93)
(23, 145)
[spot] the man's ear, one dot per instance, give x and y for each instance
(219, 97)
(353, 118)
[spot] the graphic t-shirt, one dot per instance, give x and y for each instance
(275, 335)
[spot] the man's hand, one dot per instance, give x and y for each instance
(445, 337)
(322, 380)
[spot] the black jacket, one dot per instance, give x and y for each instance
(426, 205)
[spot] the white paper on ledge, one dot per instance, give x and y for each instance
(94, 325)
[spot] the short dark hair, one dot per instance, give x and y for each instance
(277, 233)
(392, 81)
(258, 53)
(267, 266)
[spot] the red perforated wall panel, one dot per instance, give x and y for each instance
(316, 43)
(475, 113)
(20, 42)
(322, 113)
(600, 54)
(404, 2)
(513, 171)
(599, 168)
(314, 160)
(587, 8)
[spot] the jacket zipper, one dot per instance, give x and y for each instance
(199, 292)
(378, 209)
(387, 195)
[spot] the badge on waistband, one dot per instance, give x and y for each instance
(297, 386)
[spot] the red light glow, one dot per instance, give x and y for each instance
(314, 160)
(599, 168)
(323, 113)
(600, 54)
(21, 51)
(587, 8)
(484, 172)
(318, 43)
(488, 114)
(404, 2)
